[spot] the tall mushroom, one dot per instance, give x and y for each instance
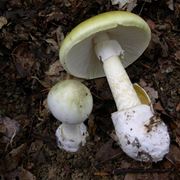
(103, 46)
(70, 102)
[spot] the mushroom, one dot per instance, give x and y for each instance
(103, 46)
(70, 102)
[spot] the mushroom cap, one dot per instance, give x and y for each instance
(77, 53)
(70, 101)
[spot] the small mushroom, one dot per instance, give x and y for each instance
(103, 46)
(70, 102)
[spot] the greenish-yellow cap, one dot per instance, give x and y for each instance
(77, 53)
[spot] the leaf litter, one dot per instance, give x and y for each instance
(31, 34)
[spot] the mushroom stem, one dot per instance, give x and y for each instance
(72, 132)
(71, 136)
(121, 87)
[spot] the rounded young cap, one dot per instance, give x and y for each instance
(70, 101)
(77, 53)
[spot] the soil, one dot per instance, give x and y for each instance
(30, 36)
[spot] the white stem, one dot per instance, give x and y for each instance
(121, 87)
(71, 131)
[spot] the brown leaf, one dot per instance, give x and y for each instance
(176, 129)
(107, 152)
(174, 156)
(3, 21)
(170, 4)
(53, 44)
(155, 43)
(14, 157)
(55, 69)
(8, 128)
(128, 5)
(35, 151)
(151, 24)
(91, 125)
(52, 173)
(153, 94)
(55, 15)
(24, 59)
(158, 107)
(35, 146)
(146, 176)
(15, 3)
(100, 82)
(177, 55)
(103, 89)
(101, 174)
(23, 120)
(178, 107)
(21, 174)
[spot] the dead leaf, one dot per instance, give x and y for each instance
(23, 120)
(142, 83)
(101, 174)
(53, 44)
(54, 74)
(3, 21)
(14, 157)
(145, 176)
(100, 82)
(174, 156)
(155, 43)
(129, 5)
(59, 35)
(52, 173)
(35, 146)
(177, 55)
(91, 126)
(158, 107)
(153, 94)
(103, 89)
(2, 129)
(166, 65)
(170, 4)
(45, 84)
(55, 15)
(108, 152)
(21, 174)
(36, 153)
(151, 24)
(178, 138)
(55, 69)
(24, 59)
(8, 128)
(178, 107)
(15, 3)
(176, 130)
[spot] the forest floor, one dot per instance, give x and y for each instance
(30, 35)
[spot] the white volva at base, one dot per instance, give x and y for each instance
(71, 144)
(141, 135)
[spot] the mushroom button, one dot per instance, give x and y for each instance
(71, 103)
(103, 46)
